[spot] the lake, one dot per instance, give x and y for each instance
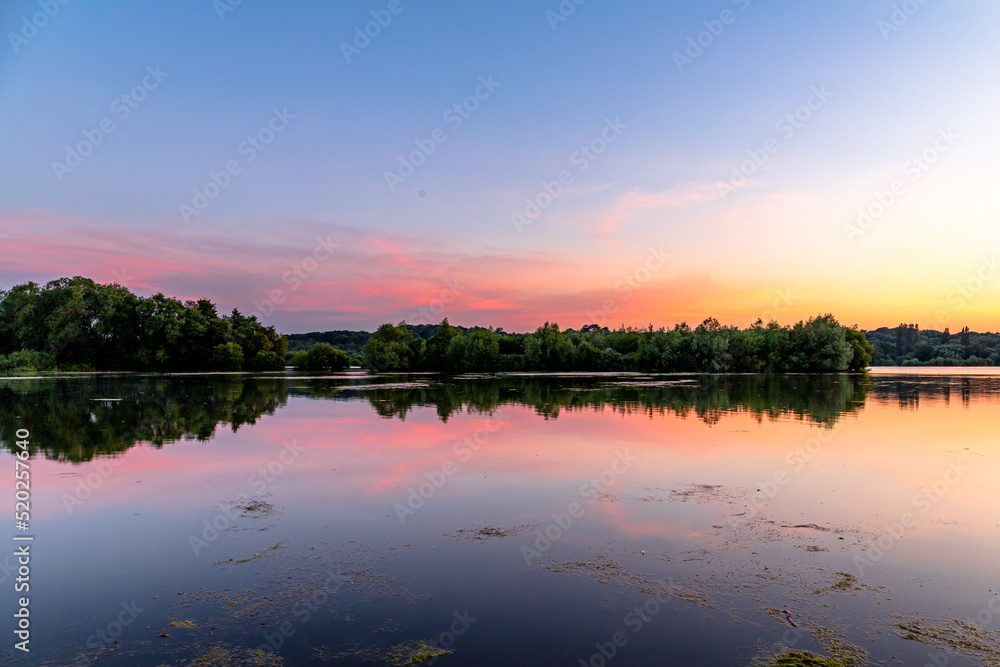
(571, 519)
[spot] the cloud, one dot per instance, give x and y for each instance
(681, 196)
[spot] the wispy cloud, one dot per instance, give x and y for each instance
(681, 196)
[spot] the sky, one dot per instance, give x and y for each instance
(338, 165)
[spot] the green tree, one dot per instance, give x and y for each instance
(227, 357)
(325, 357)
(861, 350)
(818, 346)
(482, 350)
(437, 352)
(388, 349)
(710, 346)
(547, 349)
(265, 360)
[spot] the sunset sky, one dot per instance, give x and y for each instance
(506, 164)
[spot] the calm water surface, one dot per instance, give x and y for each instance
(537, 520)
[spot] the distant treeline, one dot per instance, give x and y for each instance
(820, 345)
(77, 324)
(907, 345)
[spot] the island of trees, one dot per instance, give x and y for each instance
(77, 324)
(820, 345)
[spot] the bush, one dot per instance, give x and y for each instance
(227, 357)
(321, 357)
(27, 360)
(265, 360)
(389, 349)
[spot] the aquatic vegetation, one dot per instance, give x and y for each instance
(413, 653)
(259, 554)
(400, 655)
(804, 659)
(488, 532)
(183, 624)
(959, 636)
(254, 508)
(606, 570)
(222, 655)
(840, 649)
(843, 582)
(841, 653)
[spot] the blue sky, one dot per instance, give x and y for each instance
(657, 183)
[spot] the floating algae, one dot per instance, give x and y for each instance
(843, 582)
(840, 649)
(400, 655)
(253, 508)
(259, 554)
(605, 570)
(841, 652)
(956, 635)
(488, 532)
(222, 655)
(804, 659)
(182, 624)
(413, 653)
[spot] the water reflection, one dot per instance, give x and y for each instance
(76, 418)
(753, 495)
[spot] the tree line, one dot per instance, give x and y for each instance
(820, 345)
(77, 324)
(908, 345)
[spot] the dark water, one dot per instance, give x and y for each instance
(538, 520)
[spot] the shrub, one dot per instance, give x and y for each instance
(227, 357)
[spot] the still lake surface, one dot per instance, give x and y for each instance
(527, 519)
